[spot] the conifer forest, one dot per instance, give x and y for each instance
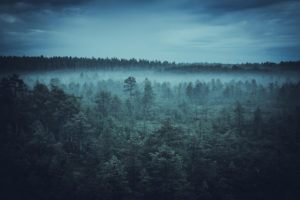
(117, 129)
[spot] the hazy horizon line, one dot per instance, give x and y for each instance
(156, 60)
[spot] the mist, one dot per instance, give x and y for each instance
(120, 75)
(149, 100)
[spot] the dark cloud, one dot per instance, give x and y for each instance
(225, 6)
(63, 3)
(42, 2)
(201, 6)
(172, 28)
(18, 7)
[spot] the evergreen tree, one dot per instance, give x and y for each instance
(147, 100)
(257, 121)
(167, 176)
(130, 85)
(107, 140)
(103, 100)
(116, 107)
(113, 177)
(77, 131)
(239, 116)
(189, 90)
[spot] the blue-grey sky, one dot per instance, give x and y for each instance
(228, 31)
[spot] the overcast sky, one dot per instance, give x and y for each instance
(228, 31)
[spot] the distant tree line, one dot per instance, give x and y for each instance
(246, 67)
(41, 63)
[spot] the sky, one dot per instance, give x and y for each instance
(227, 31)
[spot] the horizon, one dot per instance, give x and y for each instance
(161, 61)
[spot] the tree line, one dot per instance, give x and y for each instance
(41, 63)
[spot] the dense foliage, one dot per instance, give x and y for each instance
(144, 140)
(41, 63)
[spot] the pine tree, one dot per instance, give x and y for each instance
(77, 130)
(147, 101)
(239, 116)
(167, 175)
(130, 85)
(113, 177)
(257, 121)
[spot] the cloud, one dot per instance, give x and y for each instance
(41, 2)
(8, 18)
(225, 6)
(182, 30)
(36, 4)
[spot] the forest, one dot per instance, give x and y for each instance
(148, 130)
(41, 63)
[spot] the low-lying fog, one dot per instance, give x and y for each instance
(174, 78)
